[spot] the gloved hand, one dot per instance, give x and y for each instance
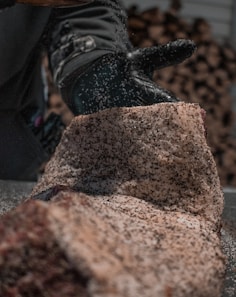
(6, 3)
(123, 79)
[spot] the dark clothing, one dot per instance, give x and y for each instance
(23, 32)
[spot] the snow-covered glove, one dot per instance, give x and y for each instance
(123, 79)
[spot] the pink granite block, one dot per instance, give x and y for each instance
(142, 218)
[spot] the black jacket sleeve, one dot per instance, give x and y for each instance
(83, 34)
(6, 3)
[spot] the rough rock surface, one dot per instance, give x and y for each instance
(143, 218)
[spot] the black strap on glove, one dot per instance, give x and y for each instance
(123, 79)
(6, 3)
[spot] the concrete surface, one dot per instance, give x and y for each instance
(13, 193)
(230, 204)
(229, 241)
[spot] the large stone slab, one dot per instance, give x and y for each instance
(138, 214)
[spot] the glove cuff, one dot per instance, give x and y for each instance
(70, 56)
(75, 55)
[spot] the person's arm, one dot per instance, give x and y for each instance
(95, 65)
(54, 3)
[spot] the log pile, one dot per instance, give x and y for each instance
(205, 78)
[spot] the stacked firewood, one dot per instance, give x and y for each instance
(205, 78)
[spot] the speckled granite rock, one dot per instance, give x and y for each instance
(157, 153)
(147, 223)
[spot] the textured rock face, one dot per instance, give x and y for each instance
(143, 219)
(156, 153)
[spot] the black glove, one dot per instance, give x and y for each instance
(157, 57)
(123, 79)
(6, 3)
